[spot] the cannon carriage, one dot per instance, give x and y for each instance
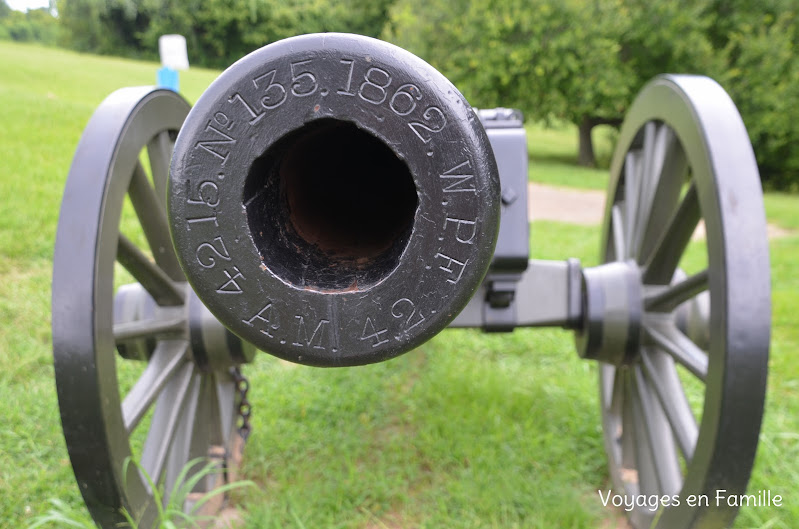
(334, 201)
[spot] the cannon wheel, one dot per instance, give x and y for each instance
(178, 408)
(683, 157)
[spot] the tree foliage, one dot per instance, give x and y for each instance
(218, 32)
(584, 60)
(577, 60)
(102, 26)
(762, 76)
(37, 25)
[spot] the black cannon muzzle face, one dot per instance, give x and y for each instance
(333, 200)
(330, 207)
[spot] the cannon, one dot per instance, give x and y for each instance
(334, 201)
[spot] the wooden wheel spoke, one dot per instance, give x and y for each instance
(629, 468)
(154, 328)
(662, 376)
(658, 436)
(204, 432)
(619, 243)
(155, 281)
(667, 337)
(226, 404)
(159, 152)
(668, 174)
(167, 358)
(669, 298)
(662, 262)
(610, 387)
(152, 217)
(642, 448)
(631, 192)
(649, 165)
(216, 433)
(177, 396)
(194, 434)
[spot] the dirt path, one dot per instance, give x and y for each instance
(587, 208)
(564, 204)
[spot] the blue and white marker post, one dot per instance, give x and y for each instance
(174, 57)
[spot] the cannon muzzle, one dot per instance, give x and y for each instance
(333, 200)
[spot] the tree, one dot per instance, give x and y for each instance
(101, 26)
(218, 32)
(577, 60)
(582, 61)
(763, 80)
(652, 38)
(35, 25)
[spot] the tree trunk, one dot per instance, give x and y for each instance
(585, 155)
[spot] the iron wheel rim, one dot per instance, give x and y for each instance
(97, 422)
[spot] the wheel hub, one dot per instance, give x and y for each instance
(212, 346)
(133, 306)
(612, 299)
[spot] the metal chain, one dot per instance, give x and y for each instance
(245, 410)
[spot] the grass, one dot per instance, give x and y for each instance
(553, 156)
(781, 210)
(170, 507)
(468, 431)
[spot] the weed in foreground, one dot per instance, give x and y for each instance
(170, 512)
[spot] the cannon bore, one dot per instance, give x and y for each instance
(323, 217)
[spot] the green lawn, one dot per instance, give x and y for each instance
(468, 431)
(553, 156)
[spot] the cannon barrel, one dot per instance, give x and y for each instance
(333, 199)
